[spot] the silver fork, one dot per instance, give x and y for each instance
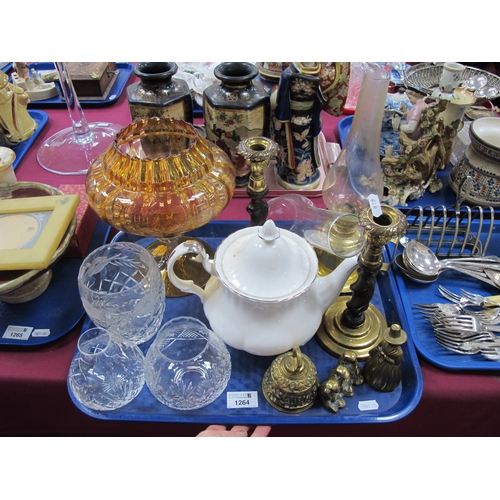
(429, 311)
(478, 299)
(457, 299)
(490, 315)
(440, 307)
(488, 351)
(458, 336)
(458, 347)
(465, 322)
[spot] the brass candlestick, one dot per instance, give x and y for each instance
(258, 152)
(352, 323)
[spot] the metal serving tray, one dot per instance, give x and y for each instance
(248, 370)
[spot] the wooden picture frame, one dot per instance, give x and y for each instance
(31, 229)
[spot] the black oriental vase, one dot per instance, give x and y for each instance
(236, 109)
(158, 93)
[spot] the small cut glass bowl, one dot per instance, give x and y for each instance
(187, 366)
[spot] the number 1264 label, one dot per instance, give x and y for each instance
(242, 399)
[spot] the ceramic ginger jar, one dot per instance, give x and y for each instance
(235, 109)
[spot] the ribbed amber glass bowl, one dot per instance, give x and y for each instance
(160, 178)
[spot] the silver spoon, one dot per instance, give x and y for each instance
(413, 275)
(476, 82)
(422, 259)
(485, 92)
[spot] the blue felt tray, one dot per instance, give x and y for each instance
(22, 148)
(445, 196)
(6, 67)
(125, 70)
(420, 329)
(59, 308)
(248, 370)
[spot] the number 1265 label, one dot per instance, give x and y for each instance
(242, 399)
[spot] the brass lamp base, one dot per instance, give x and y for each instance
(336, 338)
(186, 267)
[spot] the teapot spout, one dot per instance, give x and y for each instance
(328, 288)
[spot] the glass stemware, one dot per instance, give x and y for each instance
(71, 150)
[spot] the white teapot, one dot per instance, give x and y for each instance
(264, 296)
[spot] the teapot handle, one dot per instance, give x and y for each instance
(188, 247)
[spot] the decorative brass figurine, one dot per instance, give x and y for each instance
(350, 361)
(383, 370)
(331, 395)
(291, 383)
(340, 381)
(352, 323)
(258, 152)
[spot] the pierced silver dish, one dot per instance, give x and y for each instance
(425, 77)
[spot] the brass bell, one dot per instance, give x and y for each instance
(383, 369)
(291, 383)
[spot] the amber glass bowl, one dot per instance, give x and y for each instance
(160, 178)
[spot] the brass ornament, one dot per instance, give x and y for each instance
(383, 369)
(258, 152)
(340, 382)
(291, 382)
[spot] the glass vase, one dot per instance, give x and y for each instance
(357, 172)
(236, 108)
(160, 178)
(106, 373)
(158, 93)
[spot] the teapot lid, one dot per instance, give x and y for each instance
(265, 263)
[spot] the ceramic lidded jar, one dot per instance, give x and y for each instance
(236, 109)
(481, 161)
(158, 93)
(7, 157)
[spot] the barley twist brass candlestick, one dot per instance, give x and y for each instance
(353, 323)
(258, 152)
